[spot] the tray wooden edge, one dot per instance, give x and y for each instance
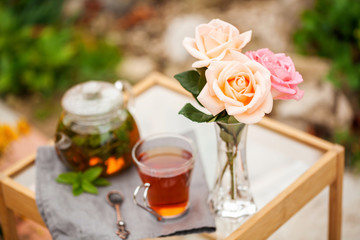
(327, 171)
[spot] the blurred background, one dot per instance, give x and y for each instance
(48, 46)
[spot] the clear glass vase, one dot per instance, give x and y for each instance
(231, 195)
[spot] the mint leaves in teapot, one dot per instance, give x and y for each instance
(107, 144)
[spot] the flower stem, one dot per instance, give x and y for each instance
(230, 135)
(222, 173)
(232, 179)
(230, 161)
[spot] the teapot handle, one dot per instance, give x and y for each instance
(128, 94)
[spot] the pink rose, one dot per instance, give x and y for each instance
(241, 86)
(213, 40)
(284, 78)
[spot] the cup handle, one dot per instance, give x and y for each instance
(146, 207)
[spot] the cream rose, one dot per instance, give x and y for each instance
(213, 41)
(241, 86)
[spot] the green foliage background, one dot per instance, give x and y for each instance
(332, 30)
(42, 54)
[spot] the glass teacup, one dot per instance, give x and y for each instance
(164, 163)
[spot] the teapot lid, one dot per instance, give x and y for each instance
(92, 98)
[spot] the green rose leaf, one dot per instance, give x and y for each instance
(227, 137)
(190, 81)
(230, 132)
(101, 182)
(195, 115)
(88, 187)
(67, 178)
(193, 81)
(223, 117)
(202, 79)
(92, 173)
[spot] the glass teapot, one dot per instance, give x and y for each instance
(96, 127)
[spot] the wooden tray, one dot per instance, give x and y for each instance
(326, 171)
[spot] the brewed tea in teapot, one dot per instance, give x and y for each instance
(96, 128)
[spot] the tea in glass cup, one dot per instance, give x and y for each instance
(164, 163)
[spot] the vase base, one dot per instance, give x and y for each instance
(234, 209)
(226, 226)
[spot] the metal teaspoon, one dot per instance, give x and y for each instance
(115, 198)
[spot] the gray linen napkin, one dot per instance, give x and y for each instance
(90, 217)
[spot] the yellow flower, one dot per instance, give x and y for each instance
(3, 143)
(8, 133)
(23, 127)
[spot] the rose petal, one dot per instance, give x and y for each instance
(210, 44)
(220, 23)
(250, 118)
(222, 97)
(189, 45)
(233, 55)
(200, 31)
(219, 51)
(201, 64)
(261, 93)
(283, 96)
(255, 66)
(245, 38)
(285, 88)
(268, 104)
(299, 94)
(213, 104)
(213, 72)
(256, 116)
(297, 78)
(218, 37)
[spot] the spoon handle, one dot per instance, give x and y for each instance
(118, 214)
(121, 232)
